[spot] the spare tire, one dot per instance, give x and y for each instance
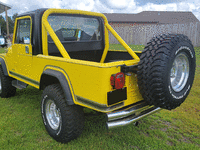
(166, 70)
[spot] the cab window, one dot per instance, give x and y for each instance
(23, 31)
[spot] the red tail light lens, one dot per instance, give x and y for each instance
(112, 80)
(117, 80)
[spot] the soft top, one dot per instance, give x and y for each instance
(30, 13)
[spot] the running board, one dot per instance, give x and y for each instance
(19, 84)
(129, 115)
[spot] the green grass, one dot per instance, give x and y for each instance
(21, 126)
(120, 47)
(2, 50)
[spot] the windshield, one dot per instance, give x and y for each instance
(74, 28)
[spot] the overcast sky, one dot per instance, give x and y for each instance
(106, 6)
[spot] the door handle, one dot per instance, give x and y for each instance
(27, 49)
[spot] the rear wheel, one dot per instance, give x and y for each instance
(63, 122)
(166, 70)
(6, 88)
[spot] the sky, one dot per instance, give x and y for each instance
(106, 6)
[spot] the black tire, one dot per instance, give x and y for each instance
(6, 88)
(157, 73)
(71, 116)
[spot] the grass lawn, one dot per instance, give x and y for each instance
(21, 125)
(2, 50)
(120, 47)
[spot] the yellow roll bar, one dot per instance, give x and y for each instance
(55, 39)
(121, 41)
(47, 28)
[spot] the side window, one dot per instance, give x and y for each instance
(23, 31)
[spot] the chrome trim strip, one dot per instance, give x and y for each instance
(98, 106)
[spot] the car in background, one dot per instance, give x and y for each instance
(3, 42)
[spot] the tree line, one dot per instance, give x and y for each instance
(11, 22)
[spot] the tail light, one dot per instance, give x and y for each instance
(117, 80)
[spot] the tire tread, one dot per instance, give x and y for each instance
(73, 120)
(6, 84)
(151, 69)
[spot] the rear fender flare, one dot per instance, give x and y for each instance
(65, 84)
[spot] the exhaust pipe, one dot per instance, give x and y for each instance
(129, 115)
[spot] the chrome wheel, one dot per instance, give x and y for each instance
(179, 72)
(53, 114)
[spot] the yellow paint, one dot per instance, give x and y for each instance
(90, 80)
(20, 61)
(133, 94)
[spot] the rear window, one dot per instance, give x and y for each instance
(74, 28)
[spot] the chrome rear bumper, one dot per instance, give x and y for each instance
(129, 115)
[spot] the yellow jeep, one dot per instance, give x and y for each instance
(66, 54)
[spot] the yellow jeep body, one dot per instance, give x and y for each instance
(89, 82)
(66, 54)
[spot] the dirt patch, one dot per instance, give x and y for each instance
(18, 133)
(185, 139)
(170, 143)
(166, 123)
(146, 134)
(152, 127)
(164, 129)
(135, 147)
(170, 137)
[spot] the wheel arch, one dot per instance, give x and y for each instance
(50, 76)
(3, 64)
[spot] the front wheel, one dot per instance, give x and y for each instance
(6, 88)
(166, 70)
(63, 122)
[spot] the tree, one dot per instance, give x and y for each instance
(2, 24)
(11, 22)
(14, 17)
